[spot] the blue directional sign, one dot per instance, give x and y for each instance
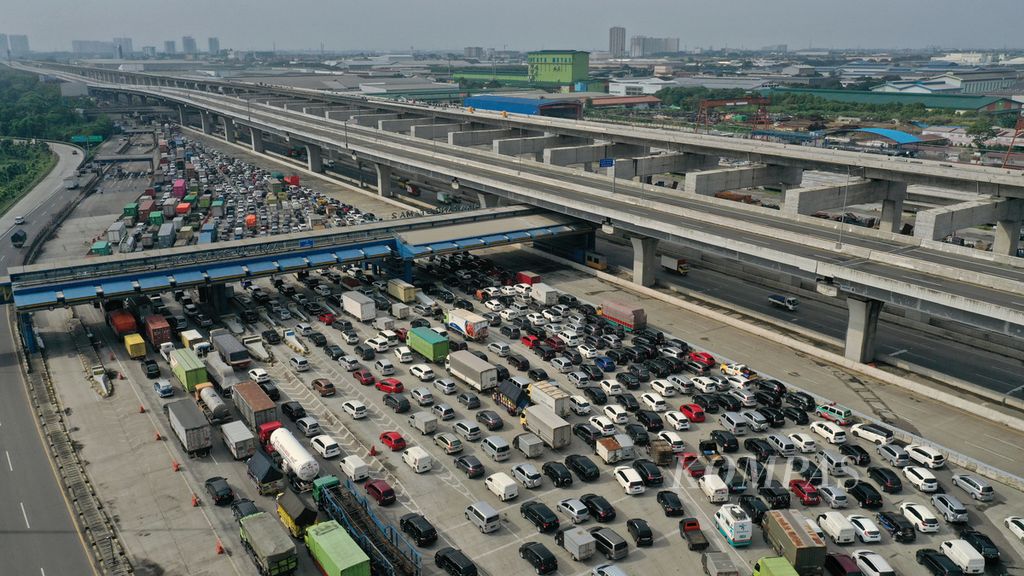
(606, 162)
(305, 243)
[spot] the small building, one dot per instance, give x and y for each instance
(558, 66)
(528, 106)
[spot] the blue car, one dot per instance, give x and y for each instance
(605, 363)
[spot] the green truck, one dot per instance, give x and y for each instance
(188, 368)
(268, 544)
(774, 567)
(427, 343)
(802, 551)
(334, 551)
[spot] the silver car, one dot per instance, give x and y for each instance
(834, 496)
(951, 509)
(978, 489)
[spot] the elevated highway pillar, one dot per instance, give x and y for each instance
(711, 182)
(314, 158)
(229, 129)
(256, 137)
(371, 120)
(383, 180)
(808, 201)
(1007, 236)
(644, 260)
(437, 131)
(207, 121)
(1006, 213)
(646, 166)
(861, 328)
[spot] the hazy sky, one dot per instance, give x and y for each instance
(518, 24)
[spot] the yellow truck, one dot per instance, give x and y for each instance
(135, 346)
(296, 514)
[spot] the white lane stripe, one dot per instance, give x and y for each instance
(25, 516)
(9, 465)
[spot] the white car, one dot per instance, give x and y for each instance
(403, 354)
(663, 387)
(926, 456)
(587, 351)
(522, 288)
(603, 424)
(325, 446)
(579, 405)
(738, 382)
(322, 289)
(508, 291)
(804, 443)
(536, 319)
(491, 291)
(734, 369)
(422, 371)
(653, 402)
(630, 480)
(355, 409)
(705, 384)
(921, 478)
(611, 387)
(829, 431)
(1015, 524)
(552, 315)
(920, 517)
(259, 375)
(872, 563)
(378, 343)
(527, 475)
(576, 511)
(509, 314)
(616, 413)
(673, 440)
(671, 352)
(865, 528)
(678, 420)
(494, 306)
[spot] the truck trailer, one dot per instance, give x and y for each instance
(548, 426)
(479, 374)
(253, 405)
(789, 535)
(469, 324)
(212, 405)
(630, 316)
(334, 552)
(401, 290)
(230, 350)
(427, 343)
(268, 544)
(157, 330)
(190, 427)
(361, 306)
(135, 346)
(187, 368)
(239, 440)
(550, 396)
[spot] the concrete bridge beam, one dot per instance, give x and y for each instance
(861, 328)
(402, 125)
(588, 154)
(314, 110)
(533, 145)
(341, 114)
(1006, 213)
(478, 137)
(645, 260)
(371, 120)
(437, 131)
(295, 106)
(662, 164)
(383, 180)
(711, 182)
(808, 201)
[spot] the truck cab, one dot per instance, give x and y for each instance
(163, 388)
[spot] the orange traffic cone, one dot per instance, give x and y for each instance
(175, 466)
(373, 450)
(220, 547)
(142, 409)
(195, 501)
(158, 437)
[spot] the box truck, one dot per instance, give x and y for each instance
(359, 305)
(158, 330)
(479, 374)
(239, 440)
(548, 426)
(544, 294)
(135, 346)
(187, 368)
(334, 552)
(427, 343)
(190, 427)
(268, 544)
(401, 290)
(230, 350)
(469, 324)
(629, 316)
(790, 536)
(253, 405)
(678, 265)
(550, 396)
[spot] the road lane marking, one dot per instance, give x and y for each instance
(25, 515)
(913, 279)
(9, 465)
(898, 352)
(1003, 456)
(1010, 444)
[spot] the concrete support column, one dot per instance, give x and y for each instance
(644, 260)
(861, 327)
(216, 296)
(207, 121)
(181, 115)
(256, 137)
(892, 215)
(229, 130)
(1007, 237)
(314, 158)
(384, 180)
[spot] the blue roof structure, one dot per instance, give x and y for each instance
(897, 136)
(528, 106)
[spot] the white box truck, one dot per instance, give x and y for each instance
(550, 396)
(479, 374)
(544, 295)
(548, 426)
(239, 440)
(361, 306)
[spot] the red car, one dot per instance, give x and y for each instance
(402, 333)
(327, 318)
(691, 463)
(390, 385)
(703, 358)
(393, 440)
(364, 377)
(555, 343)
(530, 341)
(693, 412)
(805, 491)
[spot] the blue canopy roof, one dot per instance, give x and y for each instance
(897, 136)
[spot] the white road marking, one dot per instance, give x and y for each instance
(913, 279)
(1010, 444)
(25, 515)
(1003, 456)
(42, 572)
(9, 465)
(898, 352)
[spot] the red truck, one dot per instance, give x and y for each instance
(527, 277)
(629, 316)
(122, 323)
(158, 330)
(689, 528)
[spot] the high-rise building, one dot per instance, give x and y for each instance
(617, 41)
(473, 52)
(640, 46)
(149, 51)
(93, 48)
(169, 47)
(188, 45)
(18, 44)
(213, 45)
(123, 47)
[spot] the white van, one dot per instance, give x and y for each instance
(385, 367)
(714, 488)
(926, 455)
(963, 555)
(831, 463)
(299, 364)
(570, 338)
(497, 448)
(502, 485)
(734, 422)
(418, 459)
(837, 527)
(733, 523)
(390, 335)
(355, 468)
(829, 431)
(782, 444)
(404, 354)
(483, 516)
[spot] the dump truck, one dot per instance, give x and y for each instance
(157, 330)
(549, 395)
(678, 265)
(190, 427)
(361, 306)
(221, 375)
(544, 294)
(295, 513)
(135, 346)
(469, 324)
(254, 344)
(213, 407)
(239, 440)
(187, 368)
(787, 302)
(789, 535)
(401, 290)
(478, 373)
(427, 343)
(229, 348)
(577, 542)
(629, 316)
(253, 405)
(548, 426)
(268, 544)
(694, 536)
(334, 552)
(660, 452)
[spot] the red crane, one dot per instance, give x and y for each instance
(1018, 129)
(760, 117)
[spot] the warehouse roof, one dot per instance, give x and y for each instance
(531, 106)
(948, 101)
(897, 136)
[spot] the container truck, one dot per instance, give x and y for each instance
(678, 265)
(135, 346)
(427, 343)
(122, 323)
(469, 324)
(548, 426)
(527, 277)
(789, 535)
(194, 340)
(253, 405)
(268, 544)
(240, 440)
(295, 513)
(479, 374)
(577, 542)
(334, 552)
(295, 459)
(221, 375)
(254, 344)
(359, 305)
(213, 407)
(158, 330)
(550, 396)
(401, 290)
(187, 423)
(544, 295)
(229, 348)
(629, 316)
(187, 368)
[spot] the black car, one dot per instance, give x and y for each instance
(463, 304)
(640, 531)
(796, 415)
(736, 482)
(627, 401)
(760, 447)
(586, 432)
(937, 563)
(592, 371)
(545, 352)
(650, 420)
(807, 470)
(243, 507)
(502, 372)
(600, 509)
(801, 400)
(641, 372)
(418, 528)
(769, 399)
(855, 454)
(774, 416)
(479, 355)
(364, 352)
(418, 323)
(558, 473)
(542, 560)
(470, 464)
(707, 402)
(569, 300)
(694, 367)
(270, 389)
(728, 402)
(670, 503)
(725, 440)
(490, 419)
(469, 400)
(754, 507)
(293, 410)
(334, 351)
(518, 361)
(755, 472)
(540, 515)
(454, 561)
(982, 543)
(151, 368)
(638, 433)
(649, 472)
(510, 332)
(618, 356)
(775, 495)
(770, 385)
(397, 402)
(218, 489)
(897, 526)
(583, 467)
(596, 396)
(866, 495)
(536, 374)
(886, 479)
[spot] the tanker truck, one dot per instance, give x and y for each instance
(213, 407)
(296, 461)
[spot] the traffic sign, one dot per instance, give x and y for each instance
(305, 243)
(81, 138)
(606, 162)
